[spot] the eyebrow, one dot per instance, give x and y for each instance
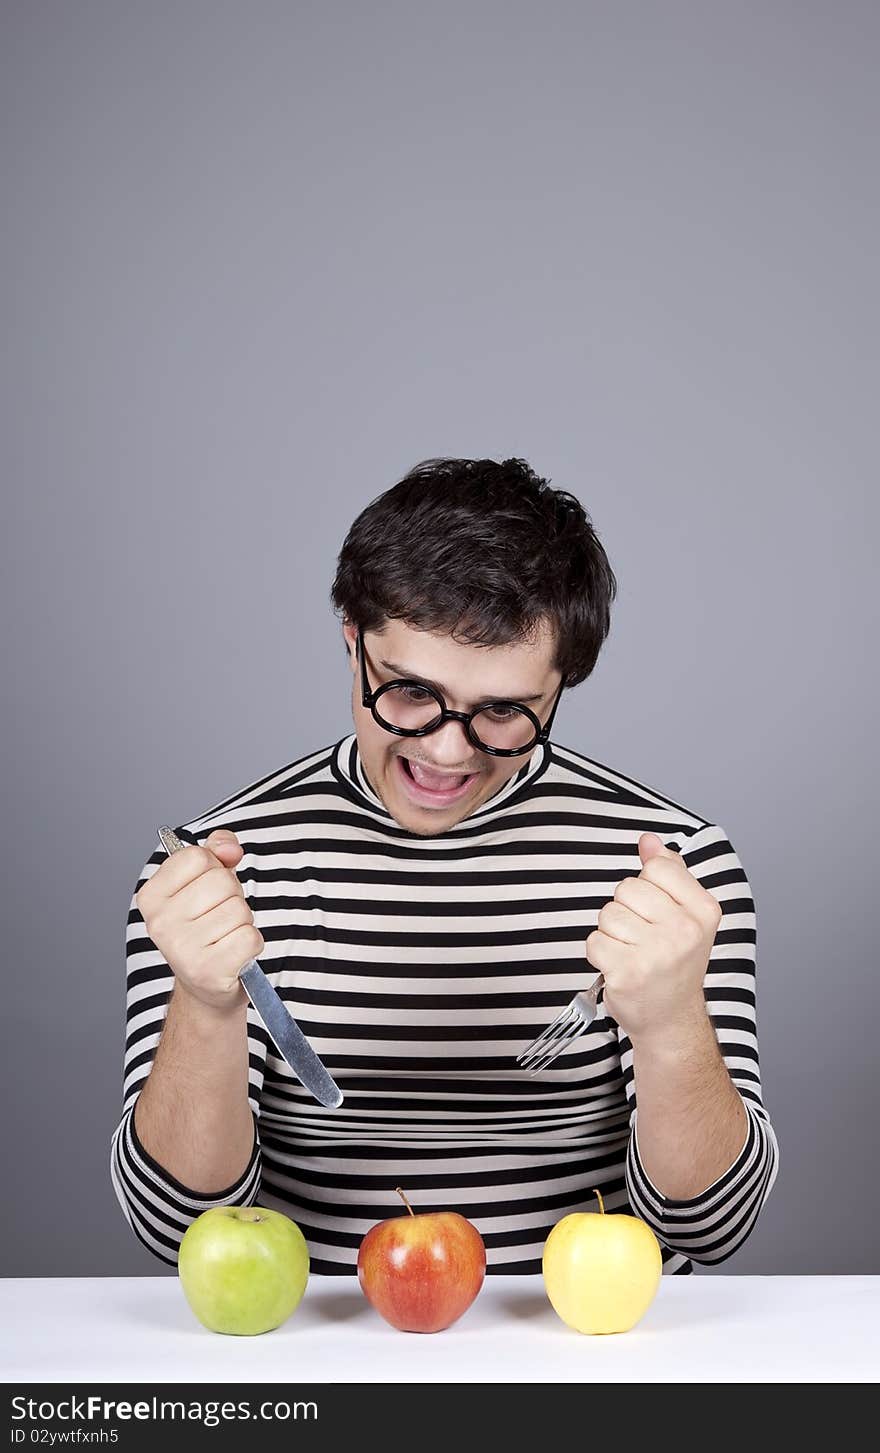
(402, 671)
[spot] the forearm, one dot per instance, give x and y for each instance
(192, 1115)
(692, 1124)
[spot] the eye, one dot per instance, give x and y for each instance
(506, 713)
(416, 694)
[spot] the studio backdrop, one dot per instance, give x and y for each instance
(259, 260)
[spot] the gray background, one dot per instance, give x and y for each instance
(260, 259)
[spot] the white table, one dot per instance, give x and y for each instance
(701, 1328)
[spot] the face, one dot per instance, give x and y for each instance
(466, 675)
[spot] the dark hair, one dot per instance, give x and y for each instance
(480, 551)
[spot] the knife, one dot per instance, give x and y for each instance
(280, 1024)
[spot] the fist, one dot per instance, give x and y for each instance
(653, 944)
(195, 911)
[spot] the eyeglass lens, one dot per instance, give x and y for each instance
(411, 708)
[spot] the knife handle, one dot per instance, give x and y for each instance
(170, 841)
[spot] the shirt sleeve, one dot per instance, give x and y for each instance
(710, 1227)
(157, 1207)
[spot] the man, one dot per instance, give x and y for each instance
(426, 894)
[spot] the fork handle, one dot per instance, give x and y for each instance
(596, 987)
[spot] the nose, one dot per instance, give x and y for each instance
(448, 748)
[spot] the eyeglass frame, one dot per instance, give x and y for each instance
(369, 699)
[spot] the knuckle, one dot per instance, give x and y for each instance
(237, 908)
(695, 931)
(222, 917)
(221, 879)
(148, 890)
(223, 920)
(155, 922)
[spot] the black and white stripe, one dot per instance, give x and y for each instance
(418, 968)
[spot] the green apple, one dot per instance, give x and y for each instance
(243, 1269)
(601, 1272)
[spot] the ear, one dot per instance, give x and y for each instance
(350, 634)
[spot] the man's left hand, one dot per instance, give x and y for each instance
(653, 943)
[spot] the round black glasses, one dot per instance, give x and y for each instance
(413, 709)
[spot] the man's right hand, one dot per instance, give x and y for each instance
(196, 913)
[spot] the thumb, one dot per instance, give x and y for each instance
(651, 846)
(224, 845)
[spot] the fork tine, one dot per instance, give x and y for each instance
(568, 1024)
(547, 1034)
(556, 1032)
(553, 1050)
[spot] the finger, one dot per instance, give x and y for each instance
(674, 877)
(621, 924)
(650, 902)
(606, 953)
(228, 918)
(184, 867)
(223, 839)
(209, 891)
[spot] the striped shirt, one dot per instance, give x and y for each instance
(419, 967)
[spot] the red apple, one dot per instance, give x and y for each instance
(421, 1272)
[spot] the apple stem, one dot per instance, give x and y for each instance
(405, 1201)
(601, 1202)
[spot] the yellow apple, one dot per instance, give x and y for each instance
(601, 1271)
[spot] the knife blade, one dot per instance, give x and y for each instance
(279, 1023)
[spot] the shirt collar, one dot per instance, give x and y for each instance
(349, 771)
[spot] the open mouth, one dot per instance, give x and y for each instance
(429, 791)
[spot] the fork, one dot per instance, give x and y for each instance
(567, 1025)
